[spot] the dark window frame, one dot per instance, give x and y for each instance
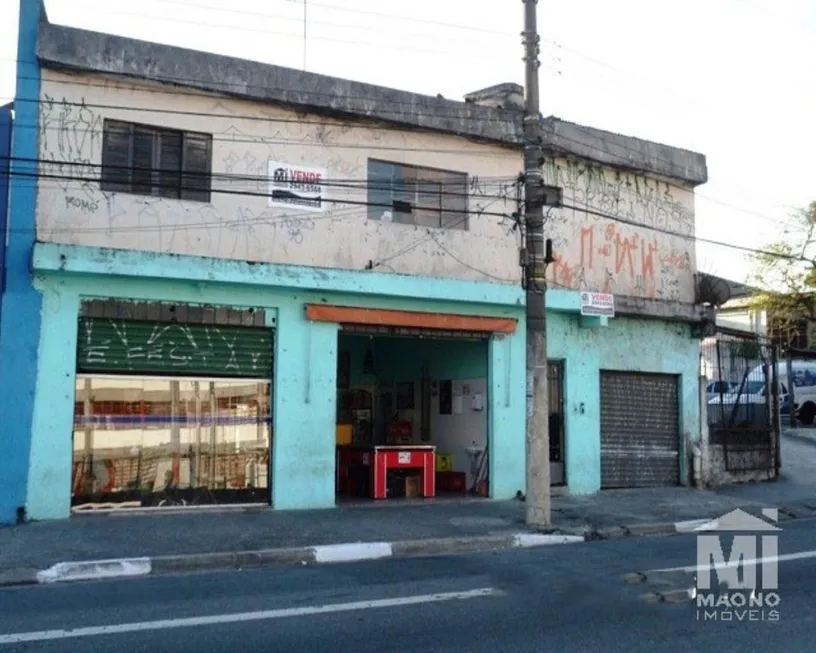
(429, 197)
(187, 177)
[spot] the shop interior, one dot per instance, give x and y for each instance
(149, 442)
(417, 395)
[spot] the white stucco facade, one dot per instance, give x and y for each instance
(239, 224)
(620, 232)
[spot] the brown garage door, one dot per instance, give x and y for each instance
(640, 430)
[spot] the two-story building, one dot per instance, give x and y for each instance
(223, 264)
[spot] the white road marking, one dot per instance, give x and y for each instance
(117, 629)
(802, 555)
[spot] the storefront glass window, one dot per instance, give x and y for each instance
(160, 442)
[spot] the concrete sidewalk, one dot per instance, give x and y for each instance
(134, 544)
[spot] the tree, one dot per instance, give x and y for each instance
(786, 275)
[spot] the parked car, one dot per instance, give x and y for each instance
(717, 388)
(752, 391)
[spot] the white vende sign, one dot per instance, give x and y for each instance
(597, 303)
(297, 187)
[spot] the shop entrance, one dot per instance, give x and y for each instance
(411, 413)
(171, 414)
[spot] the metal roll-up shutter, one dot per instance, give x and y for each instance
(640, 434)
(164, 348)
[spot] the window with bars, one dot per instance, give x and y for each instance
(146, 160)
(418, 196)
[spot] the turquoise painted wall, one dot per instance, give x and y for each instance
(306, 363)
(624, 344)
(507, 410)
(304, 412)
(401, 359)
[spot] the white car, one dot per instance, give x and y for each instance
(717, 388)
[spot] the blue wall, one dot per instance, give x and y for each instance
(5, 162)
(304, 414)
(20, 318)
(624, 344)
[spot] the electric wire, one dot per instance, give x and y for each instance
(365, 12)
(246, 193)
(358, 203)
(311, 21)
(351, 146)
(503, 185)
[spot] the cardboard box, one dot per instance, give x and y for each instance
(411, 486)
(344, 434)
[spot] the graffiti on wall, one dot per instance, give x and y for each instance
(71, 154)
(621, 233)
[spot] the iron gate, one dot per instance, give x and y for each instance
(744, 400)
(640, 430)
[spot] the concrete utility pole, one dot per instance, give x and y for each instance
(537, 496)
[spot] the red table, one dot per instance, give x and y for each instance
(380, 458)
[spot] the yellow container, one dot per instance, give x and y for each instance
(444, 462)
(344, 434)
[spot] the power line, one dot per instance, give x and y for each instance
(259, 14)
(424, 21)
(585, 209)
(696, 193)
(264, 140)
(313, 122)
(333, 214)
(454, 107)
(248, 193)
(676, 234)
(284, 121)
(503, 187)
(413, 113)
(464, 212)
(243, 28)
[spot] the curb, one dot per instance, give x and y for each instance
(791, 512)
(647, 529)
(123, 568)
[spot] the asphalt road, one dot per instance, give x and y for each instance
(568, 598)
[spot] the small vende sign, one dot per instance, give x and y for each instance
(297, 187)
(598, 304)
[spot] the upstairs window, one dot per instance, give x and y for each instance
(154, 161)
(424, 197)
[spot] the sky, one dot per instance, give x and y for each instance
(732, 79)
